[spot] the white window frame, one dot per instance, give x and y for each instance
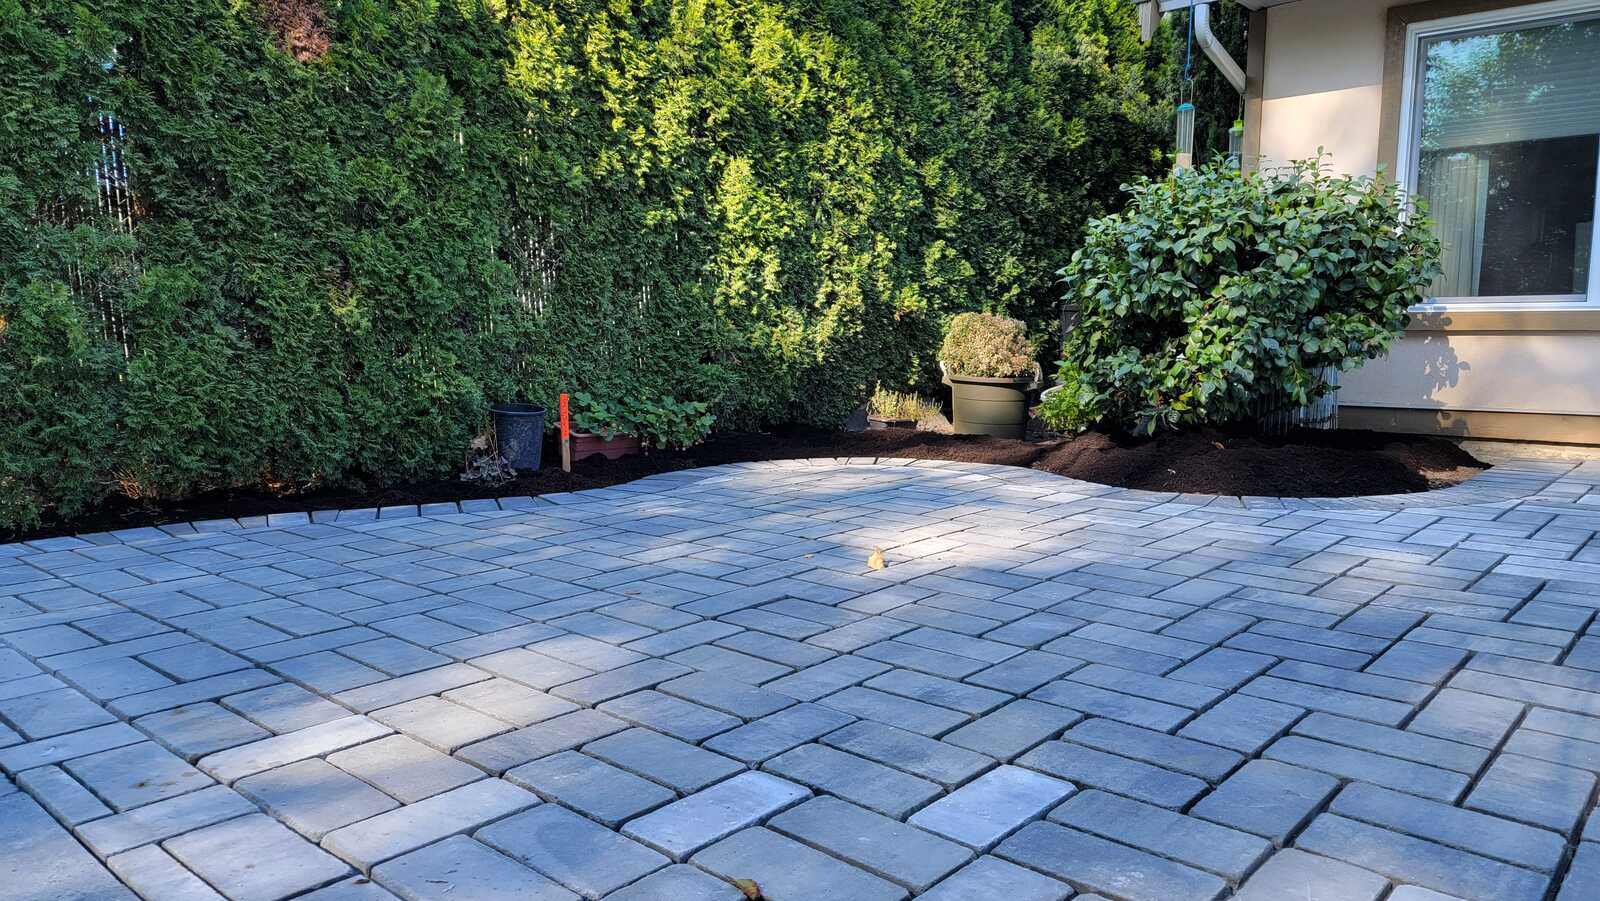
(1411, 138)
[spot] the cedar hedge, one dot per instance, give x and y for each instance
(355, 224)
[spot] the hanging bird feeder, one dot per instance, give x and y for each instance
(1185, 151)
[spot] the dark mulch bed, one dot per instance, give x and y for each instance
(1303, 464)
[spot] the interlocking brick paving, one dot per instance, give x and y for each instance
(649, 691)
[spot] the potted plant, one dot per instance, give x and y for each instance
(603, 427)
(988, 364)
(618, 428)
(896, 409)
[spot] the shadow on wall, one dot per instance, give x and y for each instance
(1412, 376)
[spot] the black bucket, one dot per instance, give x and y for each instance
(519, 431)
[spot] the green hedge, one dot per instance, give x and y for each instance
(343, 252)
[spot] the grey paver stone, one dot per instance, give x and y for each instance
(356, 888)
(387, 835)
(163, 819)
(990, 877)
(1167, 751)
(883, 846)
(1533, 791)
(684, 827)
(314, 797)
(1267, 798)
(933, 760)
(1084, 766)
(1306, 877)
(678, 765)
(1413, 860)
(989, 808)
(576, 852)
(591, 786)
(671, 716)
(313, 741)
(440, 723)
(230, 855)
(775, 733)
(54, 712)
(153, 873)
(1242, 723)
(39, 859)
(194, 730)
(1583, 876)
(789, 871)
(404, 768)
(1353, 763)
(1116, 870)
(461, 869)
(405, 688)
(561, 733)
(871, 785)
(1223, 851)
(1466, 717)
(136, 775)
(510, 701)
(65, 798)
(285, 708)
(1013, 729)
(679, 882)
(1524, 846)
(727, 695)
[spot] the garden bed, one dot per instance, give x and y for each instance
(1304, 464)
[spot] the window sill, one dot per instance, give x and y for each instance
(1573, 318)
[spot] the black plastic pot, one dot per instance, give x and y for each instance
(519, 432)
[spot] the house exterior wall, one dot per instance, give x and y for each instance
(1322, 83)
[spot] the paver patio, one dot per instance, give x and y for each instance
(646, 691)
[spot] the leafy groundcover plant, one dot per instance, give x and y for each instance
(1214, 290)
(655, 421)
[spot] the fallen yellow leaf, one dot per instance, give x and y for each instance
(876, 561)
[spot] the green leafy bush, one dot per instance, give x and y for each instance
(655, 421)
(1213, 290)
(982, 345)
(357, 224)
(1062, 408)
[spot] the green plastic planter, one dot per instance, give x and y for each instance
(997, 407)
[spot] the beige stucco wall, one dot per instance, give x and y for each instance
(1322, 85)
(1323, 82)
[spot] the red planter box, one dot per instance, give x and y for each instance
(587, 444)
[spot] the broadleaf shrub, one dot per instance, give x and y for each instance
(357, 224)
(1062, 408)
(1213, 290)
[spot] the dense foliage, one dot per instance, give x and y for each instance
(1062, 407)
(354, 224)
(1213, 291)
(986, 346)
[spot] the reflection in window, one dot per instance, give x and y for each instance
(1508, 146)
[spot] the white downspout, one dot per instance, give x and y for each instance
(1213, 48)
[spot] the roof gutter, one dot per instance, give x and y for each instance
(1207, 39)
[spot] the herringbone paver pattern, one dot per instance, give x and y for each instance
(648, 691)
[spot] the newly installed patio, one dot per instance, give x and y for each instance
(649, 691)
